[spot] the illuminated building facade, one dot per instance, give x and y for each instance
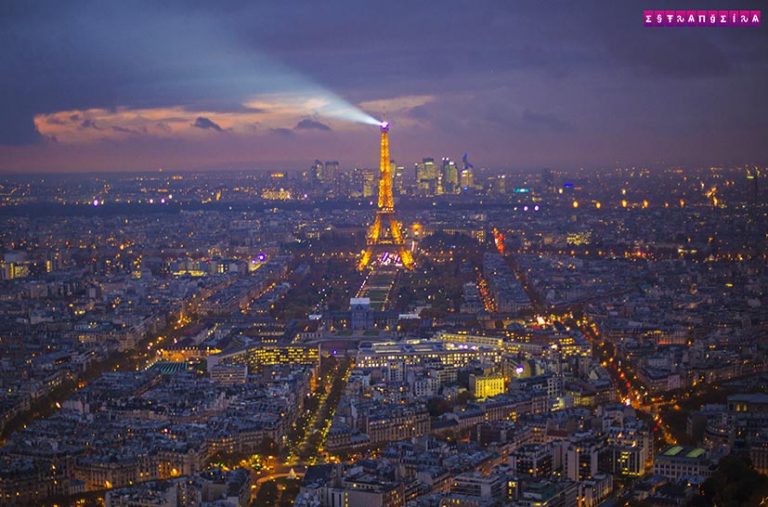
(268, 355)
(485, 386)
(427, 177)
(486, 341)
(368, 182)
(629, 450)
(579, 238)
(411, 352)
(467, 179)
(385, 234)
(399, 182)
(229, 374)
(450, 177)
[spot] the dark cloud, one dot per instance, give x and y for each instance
(309, 124)
(89, 124)
(204, 123)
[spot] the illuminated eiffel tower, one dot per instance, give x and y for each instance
(385, 235)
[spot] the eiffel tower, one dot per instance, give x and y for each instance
(385, 235)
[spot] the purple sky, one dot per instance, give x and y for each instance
(92, 86)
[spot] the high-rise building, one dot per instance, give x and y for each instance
(368, 182)
(331, 171)
(399, 181)
(467, 179)
(426, 176)
(317, 170)
(450, 176)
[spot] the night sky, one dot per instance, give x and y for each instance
(102, 86)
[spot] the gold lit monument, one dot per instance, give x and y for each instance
(385, 236)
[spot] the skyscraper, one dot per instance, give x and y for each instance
(426, 176)
(450, 176)
(331, 171)
(368, 182)
(467, 179)
(399, 181)
(317, 170)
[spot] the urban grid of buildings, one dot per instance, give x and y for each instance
(528, 338)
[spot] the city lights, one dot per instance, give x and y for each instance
(222, 285)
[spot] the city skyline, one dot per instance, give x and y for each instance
(109, 87)
(391, 254)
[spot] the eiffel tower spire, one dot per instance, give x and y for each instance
(385, 234)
